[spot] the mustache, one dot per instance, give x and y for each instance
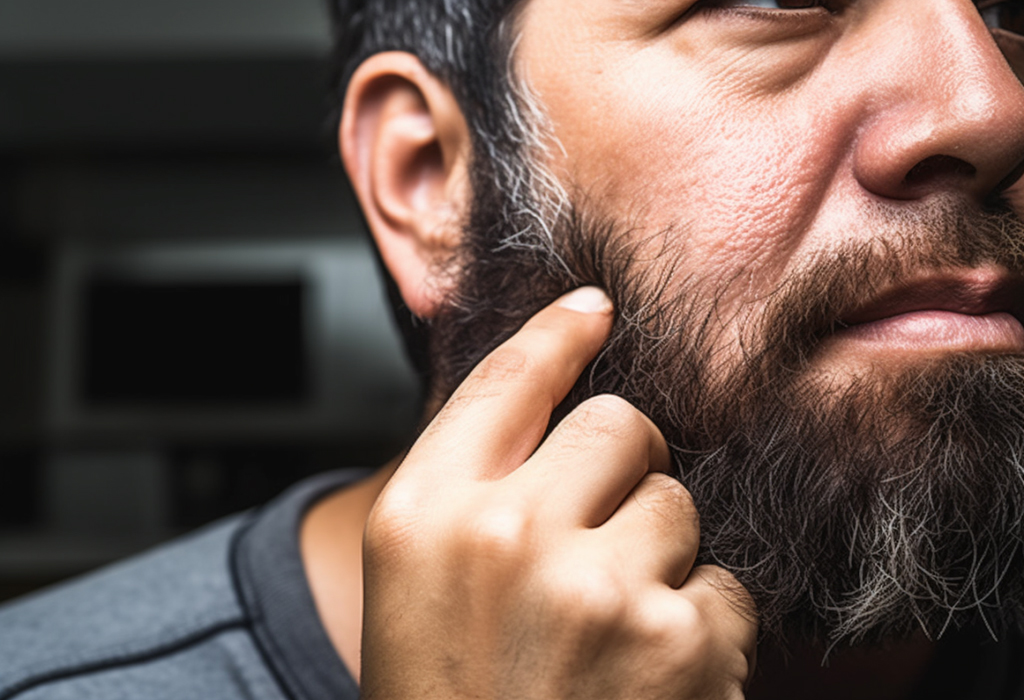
(938, 236)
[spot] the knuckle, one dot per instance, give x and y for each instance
(689, 617)
(399, 501)
(694, 631)
(590, 599)
(501, 532)
(725, 589)
(387, 533)
(390, 527)
(670, 491)
(717, 577)
(665, 496)
(508, 363)
(724, 582)
(611, 416)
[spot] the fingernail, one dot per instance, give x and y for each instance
(587, 300)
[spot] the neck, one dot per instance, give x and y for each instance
(331, 542)
(331, 545)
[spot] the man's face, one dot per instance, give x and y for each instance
(759, 137)
(801, 215)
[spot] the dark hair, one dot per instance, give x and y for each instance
(467, 45)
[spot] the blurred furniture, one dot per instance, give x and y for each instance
(191, 316)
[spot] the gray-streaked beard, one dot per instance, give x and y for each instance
(852, 513)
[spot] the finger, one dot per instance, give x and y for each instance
(593, 459)
(497, 416)
(707, 623)
(723, 598)
(656, 530)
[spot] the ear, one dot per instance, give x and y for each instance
(406, 146)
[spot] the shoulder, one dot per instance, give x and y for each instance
(159, 625)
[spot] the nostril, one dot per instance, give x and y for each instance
(938, 167)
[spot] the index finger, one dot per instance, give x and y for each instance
(498, 415)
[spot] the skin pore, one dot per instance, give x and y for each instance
(768, 136)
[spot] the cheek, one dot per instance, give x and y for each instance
(737, 183)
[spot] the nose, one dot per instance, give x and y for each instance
(950, 112)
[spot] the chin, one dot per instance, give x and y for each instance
(878, 506)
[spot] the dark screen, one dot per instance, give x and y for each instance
(195, 343)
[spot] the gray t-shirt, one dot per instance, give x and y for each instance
(226, 614)
(223, 614)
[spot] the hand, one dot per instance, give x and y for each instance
(495, 568)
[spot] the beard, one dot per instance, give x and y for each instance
(853, 510)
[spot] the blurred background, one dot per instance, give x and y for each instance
(190, 317)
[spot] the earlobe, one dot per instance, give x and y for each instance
(405, 146)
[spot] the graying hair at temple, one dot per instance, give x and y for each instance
(468, 44)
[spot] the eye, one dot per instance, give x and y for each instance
(1007, 15)
(776, 7)
(774, 4)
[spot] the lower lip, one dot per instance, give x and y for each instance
(921, 331)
